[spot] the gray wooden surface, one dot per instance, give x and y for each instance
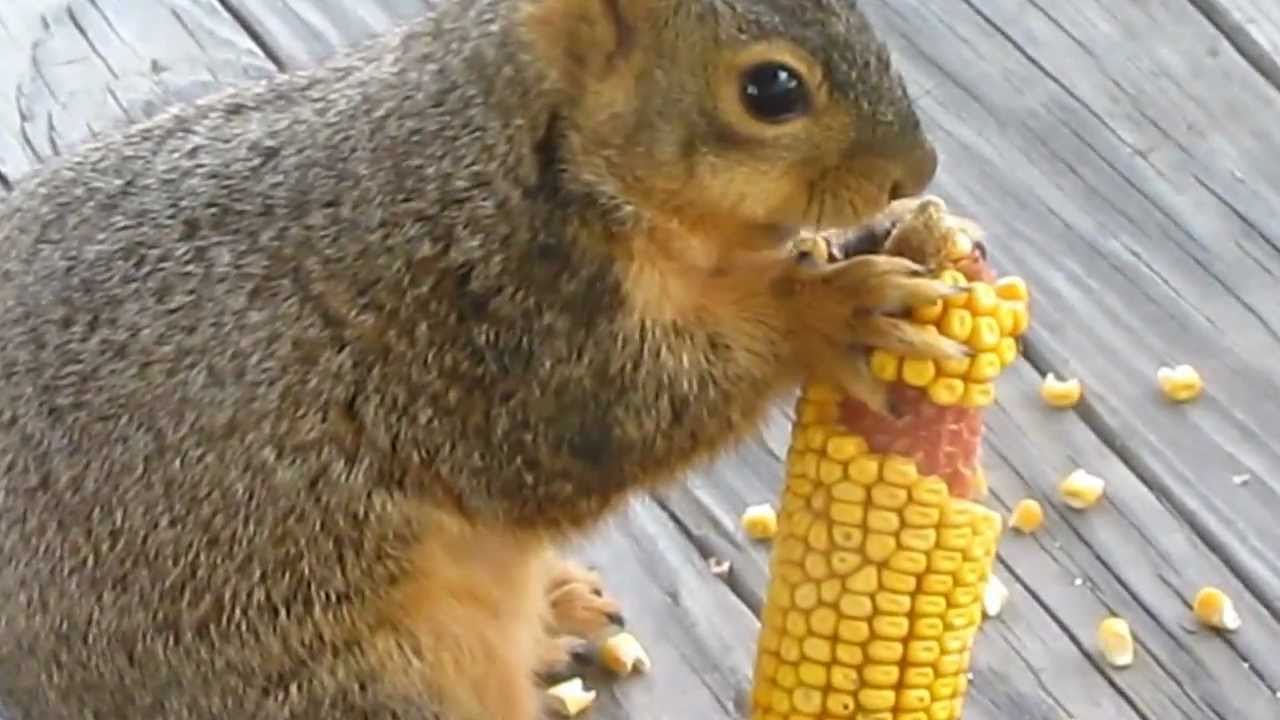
(1123, 158)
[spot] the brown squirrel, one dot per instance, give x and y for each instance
(301, 384)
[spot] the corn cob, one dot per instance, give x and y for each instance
(881, 556)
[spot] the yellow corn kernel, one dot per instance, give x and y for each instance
(983, 299)
(760, 521)
(885, 365)
(953, 367)
(928, 314)
(1061, 393)
(1115, 639)
(1180, 383)
(1007, 349)
(1012, 287)
(1027, 516)
(1021, 319)
(623, 654)
(1215, 609)
(978, 395)
(957, 324)
(985, 334)
(946, 391)
(570, 698)
(918, 372)
(1081, 490)
(985, 367)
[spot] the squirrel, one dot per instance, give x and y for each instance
(303, 384)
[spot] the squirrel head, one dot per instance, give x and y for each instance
(752, 119)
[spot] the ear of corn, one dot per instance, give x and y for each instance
(881, 561)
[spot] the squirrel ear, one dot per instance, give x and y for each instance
(583, 40)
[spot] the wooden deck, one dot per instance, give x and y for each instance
(1123, 157)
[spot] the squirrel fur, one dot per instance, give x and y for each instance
(302, 383)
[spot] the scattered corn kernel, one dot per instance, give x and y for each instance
(1081, 490)
(1061, 393)
(570, 698)
(623, 654)
(1180, 383)
(760, 521)
(1027, 516)
(1115, 639)
(1214, 608)
(994, 596)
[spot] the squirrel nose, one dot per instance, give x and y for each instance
(916, 166)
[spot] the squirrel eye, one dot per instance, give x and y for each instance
(774, 93)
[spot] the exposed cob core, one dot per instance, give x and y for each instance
(881, 556)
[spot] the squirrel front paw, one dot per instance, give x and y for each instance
(847, 300)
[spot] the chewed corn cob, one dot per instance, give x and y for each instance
(881, 557)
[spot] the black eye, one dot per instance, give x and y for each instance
(774, 93)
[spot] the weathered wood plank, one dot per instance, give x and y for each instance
(1253, 29)
(78, 68)
(1124, 160)
(299, 33)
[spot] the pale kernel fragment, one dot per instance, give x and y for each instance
(760, 521)
(1061, 392)
(1115, 639)
(1215, 609)
(1180, 383)
(994, 596)
(570, 698)
(918, 372)
(1027, 516)
(1081, 490)
(885, 366)
(624, 655)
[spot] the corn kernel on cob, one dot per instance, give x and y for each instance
(880, 565)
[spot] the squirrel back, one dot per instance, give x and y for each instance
(501, 269)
